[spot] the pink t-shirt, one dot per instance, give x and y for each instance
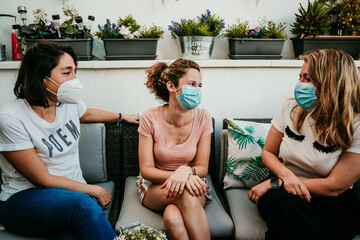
(171, 157)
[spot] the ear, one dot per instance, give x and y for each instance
(170, 86)
(317, 92)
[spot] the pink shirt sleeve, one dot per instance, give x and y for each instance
(146, 126)
(206, 121)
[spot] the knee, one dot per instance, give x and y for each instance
(84, 207)
(188, 202)
(172, 217)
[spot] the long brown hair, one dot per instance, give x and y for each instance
(160, 73)
(38, 62)
(336, 77)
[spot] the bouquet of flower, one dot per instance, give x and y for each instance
(266, 29)
(205, 25)
(142, 232)
(43, 28)
(129, 29)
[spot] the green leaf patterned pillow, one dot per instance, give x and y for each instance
(245, 143)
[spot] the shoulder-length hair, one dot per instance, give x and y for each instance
(37, 63)
(336, 77)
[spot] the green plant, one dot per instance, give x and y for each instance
(345, 16)
(266, 29)
(205, 25)
(42, 28)
(128, 28)
(236, 30)
(142, 232)
(315, 20)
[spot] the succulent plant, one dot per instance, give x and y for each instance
(315, 20)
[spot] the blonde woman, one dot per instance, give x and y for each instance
(174, 150)
(313, 149)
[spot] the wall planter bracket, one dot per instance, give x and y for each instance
(349, 44)
(82, 47)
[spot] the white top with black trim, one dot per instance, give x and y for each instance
(301, 153)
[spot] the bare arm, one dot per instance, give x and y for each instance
(97, 115)
(341, 177)
(147, 162)
(29, 164)
(292, 183)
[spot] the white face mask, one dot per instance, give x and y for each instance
(68, 92)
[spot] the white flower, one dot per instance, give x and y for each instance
(137, 34)
(70, 10)
(124, 31)
(40, 15)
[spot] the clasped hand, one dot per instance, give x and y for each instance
(182, 178)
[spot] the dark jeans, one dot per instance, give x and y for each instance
(289, 217)
(55, 213)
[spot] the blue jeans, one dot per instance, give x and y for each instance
(56, 213)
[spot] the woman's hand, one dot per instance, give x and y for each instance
(102, 196)
(196, 186)
(295, 186)
(175, 184)
(131, 118)
(258, 191)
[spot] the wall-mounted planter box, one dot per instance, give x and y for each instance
(245, 48)
(82, 47)
(349, 44)
(130, 49)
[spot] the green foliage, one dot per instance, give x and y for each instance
(41, 29)
(273, 30)
(151, 32)
(345, 16)
(266, 29)
(142, 232)
(129, 22)
(315, 20)
(205, 25)
(128, 28)
(237, 30)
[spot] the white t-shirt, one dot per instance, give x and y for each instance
(301, 153)
(56, 143)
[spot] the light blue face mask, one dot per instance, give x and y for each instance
(190, 97)
(305, 95)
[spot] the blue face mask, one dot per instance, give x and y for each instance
(190, 97)
(305, 95)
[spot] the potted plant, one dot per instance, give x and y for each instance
(196, 37)
(264, 41)
(327, 24)
(127, 40)
(70, 32)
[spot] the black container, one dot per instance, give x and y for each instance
(246, 48)
(130, 49)
(82, 47)
(349, 44)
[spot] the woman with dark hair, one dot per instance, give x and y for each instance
(313, 148)
(44, 192)
(174, 150)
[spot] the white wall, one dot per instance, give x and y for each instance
(161, 13)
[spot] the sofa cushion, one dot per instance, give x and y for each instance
(132, 210)
(110, 187)
(246, 140)
(247, 220)
(92, 152)
(5, 235)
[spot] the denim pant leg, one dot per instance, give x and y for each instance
(41, 212)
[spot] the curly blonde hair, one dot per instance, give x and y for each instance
(336, 77)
